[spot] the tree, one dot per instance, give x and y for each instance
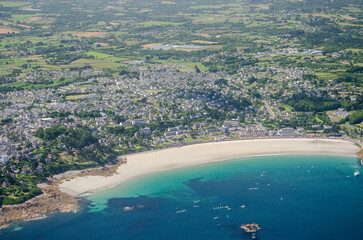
(220, 82)
(356, 117)
(252, 79)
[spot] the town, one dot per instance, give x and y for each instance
(192, 107)
(126, 82)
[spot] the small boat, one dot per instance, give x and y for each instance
(181, 211)
(356, 173)
(217, 208)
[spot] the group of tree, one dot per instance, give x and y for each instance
(303, 103)
(355, 118)
(73, 138)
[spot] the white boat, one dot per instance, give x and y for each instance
(181, 211)
(356, 173)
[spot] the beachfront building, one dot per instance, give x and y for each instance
(224, 129)
(287, 132)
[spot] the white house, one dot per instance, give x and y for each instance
(4, 159)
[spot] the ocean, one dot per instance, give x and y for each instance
(289, 197)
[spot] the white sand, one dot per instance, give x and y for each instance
(159, 160)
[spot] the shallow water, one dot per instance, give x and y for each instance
(290, 197)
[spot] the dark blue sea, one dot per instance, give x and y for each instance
(290, 197)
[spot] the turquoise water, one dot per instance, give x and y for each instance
(290, 197)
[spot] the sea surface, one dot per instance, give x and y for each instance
(290, 197)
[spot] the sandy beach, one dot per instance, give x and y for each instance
(160, 160)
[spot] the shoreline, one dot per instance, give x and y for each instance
(52, 200)
(64, 191)
(202, 153)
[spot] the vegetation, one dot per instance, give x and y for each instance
(246, 53)
(303, 103)
(62, 149)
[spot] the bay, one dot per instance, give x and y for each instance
(290, 197)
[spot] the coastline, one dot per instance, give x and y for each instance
(62, 193)
(52, 200)
(176, 157)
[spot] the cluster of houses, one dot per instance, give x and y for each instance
(38, 76)
(255, 130)
(159, 93)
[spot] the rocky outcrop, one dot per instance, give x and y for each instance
(52, 200)
(250, 228)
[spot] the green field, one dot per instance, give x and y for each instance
(14, 4)
(158, 23)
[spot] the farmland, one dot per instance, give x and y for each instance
(133, 75)
(40, 28)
